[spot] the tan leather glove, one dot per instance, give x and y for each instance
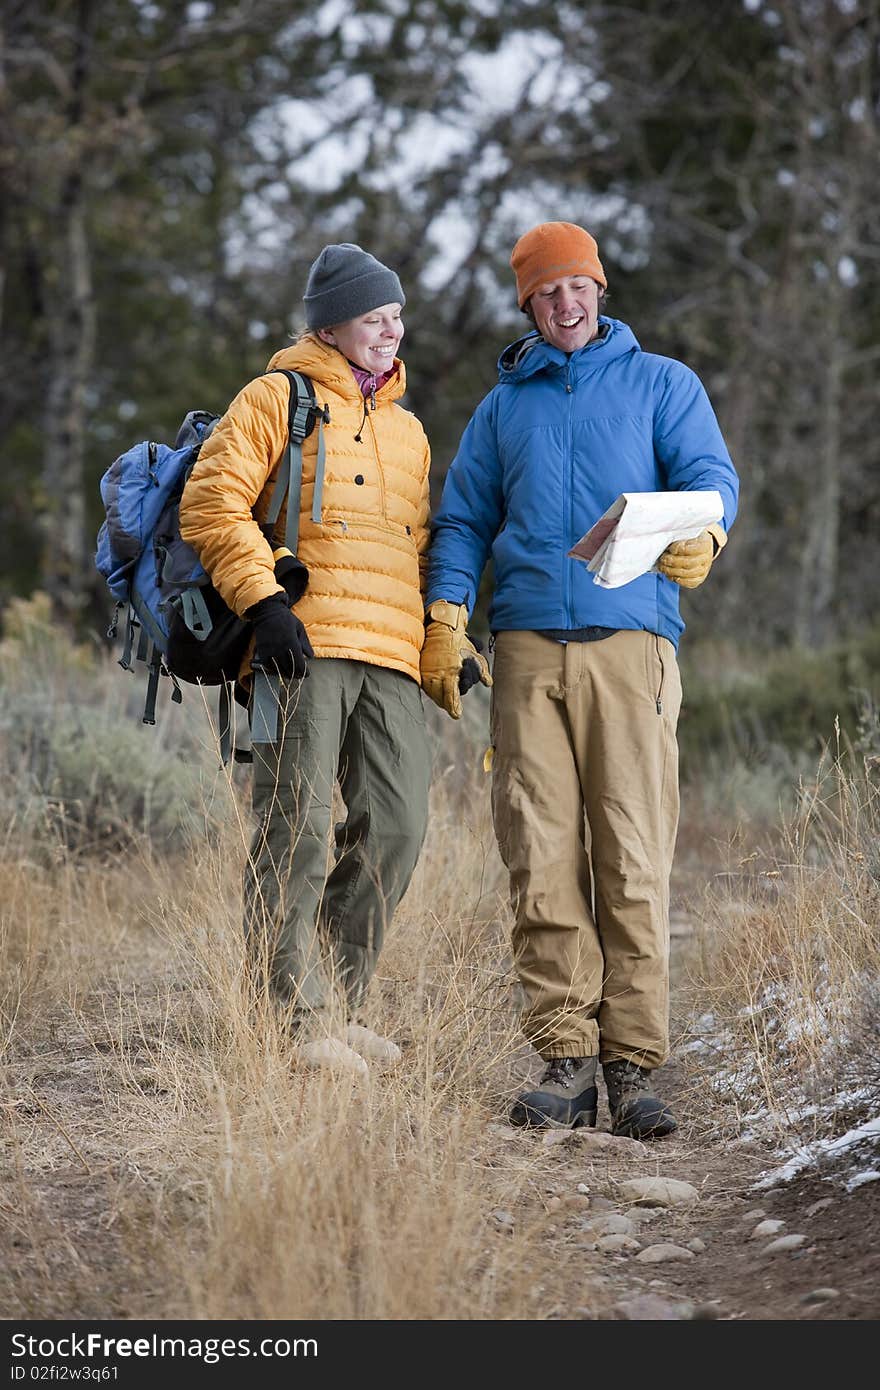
(446, 648)
(688, 562)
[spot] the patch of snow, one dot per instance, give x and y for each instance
(869, 1175)
(811, 1154)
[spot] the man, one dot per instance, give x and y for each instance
(586, 686)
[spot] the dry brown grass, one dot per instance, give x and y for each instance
(783, 974)
(164, 1158)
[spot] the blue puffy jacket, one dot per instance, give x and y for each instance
(545, 454)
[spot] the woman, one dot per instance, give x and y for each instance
(344, 662)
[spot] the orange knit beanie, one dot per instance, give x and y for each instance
(549, 252)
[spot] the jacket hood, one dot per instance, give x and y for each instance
(531, 354)
(327, 367)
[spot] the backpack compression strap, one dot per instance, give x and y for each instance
(303, 413)
(150, 654)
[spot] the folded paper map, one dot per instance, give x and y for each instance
(631, 536)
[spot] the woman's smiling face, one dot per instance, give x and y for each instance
(370, 341)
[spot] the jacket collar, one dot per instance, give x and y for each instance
(530, 354)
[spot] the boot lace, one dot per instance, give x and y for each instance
(628, 1076)
(562, 1070)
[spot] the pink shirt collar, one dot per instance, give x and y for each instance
(367, 381)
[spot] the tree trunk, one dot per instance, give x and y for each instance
(66, 564)
(815, 623)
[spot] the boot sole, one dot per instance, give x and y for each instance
(650, 1124)
(533, 1114)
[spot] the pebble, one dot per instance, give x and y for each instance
(663, 1254)
(583, 1189)
(822, 1203)
(697, 1245)
(650, 1307)
(704, 1311)
(612, 1223)
(503, 1131)
(504, 1219)
(778, 1247)
(643, 1216)
(600, 1203)
(659, 1192)
(820, 1296)
(618, 1244)
(754, 1215)
(556, 1136)
(600, 1139)
(766, 1228)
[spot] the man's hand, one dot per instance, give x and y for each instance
(282, 643)
(449, 658)
(688, 562)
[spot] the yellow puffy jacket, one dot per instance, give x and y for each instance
(367, 557)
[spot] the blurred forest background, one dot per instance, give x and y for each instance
(170, 170)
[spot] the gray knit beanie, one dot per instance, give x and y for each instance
(345, 282)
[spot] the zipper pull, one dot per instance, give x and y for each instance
(657, 701)
(373, 394)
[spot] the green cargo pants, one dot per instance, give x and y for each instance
(316, 906)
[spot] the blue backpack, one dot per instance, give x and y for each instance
(175, 620)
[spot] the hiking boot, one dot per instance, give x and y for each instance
(372, 1045)
(635, 1111)
(332, 1054)
(566, 1095)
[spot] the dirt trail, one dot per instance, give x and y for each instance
(66, 1159)
(717, 1270)
(722, 1266)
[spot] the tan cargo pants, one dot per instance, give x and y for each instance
(585, 804)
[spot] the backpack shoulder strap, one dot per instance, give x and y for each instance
(303, 413)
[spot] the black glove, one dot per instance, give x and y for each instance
(283, 645)
(470, 674)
